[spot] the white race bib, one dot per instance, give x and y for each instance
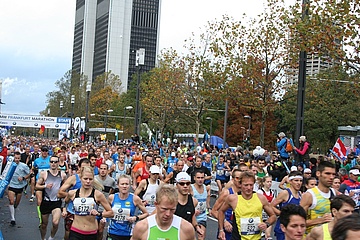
(83, 206)
(150, 200)
(120, 214)
(201, 207)
(250, 226)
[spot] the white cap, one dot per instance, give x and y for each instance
(354, 171)
(154, 169)
(302, 138)
(293, 168)
(173, 154)
(182, 176)
(307, 170)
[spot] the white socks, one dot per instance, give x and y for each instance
(12, 212)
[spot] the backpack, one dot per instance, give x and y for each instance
(288, 146)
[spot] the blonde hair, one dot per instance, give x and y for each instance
(86, 169)
(262, 180)
(169, 192)
(126, 177)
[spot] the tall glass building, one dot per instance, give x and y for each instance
(108, 32)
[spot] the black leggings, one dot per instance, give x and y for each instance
(78, 236)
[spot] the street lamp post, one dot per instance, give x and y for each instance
(123, 125)
(209, 118)
(48, 114)
(72, 115)
(140, 60)
(106, 119)
(244, 132)
(88, 90)
(248, 135)
(61, 107)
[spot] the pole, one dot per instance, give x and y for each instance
(225, 122)
(301, 83)
(105, 124)
(140, 60)
(87, 111)
(123, 125)
(137, 108)
(72, 115)
(210, 127)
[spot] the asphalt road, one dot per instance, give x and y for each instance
(27, 222)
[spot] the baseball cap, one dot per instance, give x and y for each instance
(44, 149)
(354, 171)
(307, 170)
(154, 169)
(293, 168)
(173, 154)
(182, 176)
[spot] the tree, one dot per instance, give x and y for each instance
(330, 28)
(70, 84)
(329, 104)
(250, 59)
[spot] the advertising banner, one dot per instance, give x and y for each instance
(14, 120)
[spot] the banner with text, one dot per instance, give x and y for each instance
(13, 120)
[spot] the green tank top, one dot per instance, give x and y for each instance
(172, 233)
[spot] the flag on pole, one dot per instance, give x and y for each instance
(42, 129)
(340, 149)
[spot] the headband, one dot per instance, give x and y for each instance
(295, 177)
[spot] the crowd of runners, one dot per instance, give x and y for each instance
(132, 190)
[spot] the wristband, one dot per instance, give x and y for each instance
(221, 230)
(267, 224)
(137, 218)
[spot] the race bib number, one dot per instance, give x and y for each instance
(121, 214)
(201, 207)
(220, 172)
(249, 226)
(150, 200)
(83, 206)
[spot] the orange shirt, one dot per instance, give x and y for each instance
(137, 167)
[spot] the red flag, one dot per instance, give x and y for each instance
(340, 149)
(42, 129)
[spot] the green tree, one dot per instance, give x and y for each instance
(329, 103)
(70, 84)
(331, 29)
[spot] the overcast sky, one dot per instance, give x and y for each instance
(36, 39)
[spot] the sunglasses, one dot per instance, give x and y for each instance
(54, 161)
(184, 183)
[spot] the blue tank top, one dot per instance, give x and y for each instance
(77, 185)
(291, 200)
(201, 206)
(220, 172)
(122, 210)
(208, 165)
(229, 211)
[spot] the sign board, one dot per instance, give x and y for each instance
(13, 120)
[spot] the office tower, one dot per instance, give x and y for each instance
(314, 65)
(108, 33)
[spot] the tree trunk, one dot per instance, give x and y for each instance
(262, 129)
